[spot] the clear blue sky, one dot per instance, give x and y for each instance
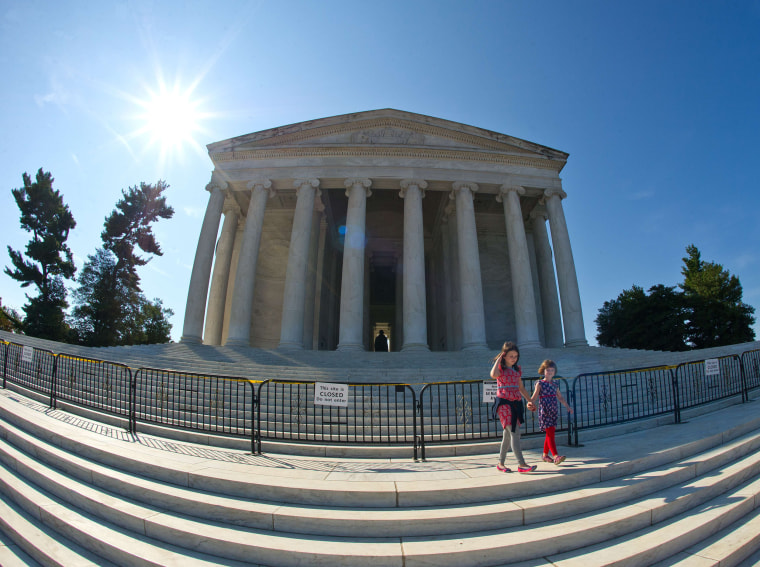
(657, 103)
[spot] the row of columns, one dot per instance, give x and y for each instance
(351, 317)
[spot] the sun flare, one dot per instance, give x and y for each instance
(171, 119)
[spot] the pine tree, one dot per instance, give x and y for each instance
(48, 259)
(717, 315)
(110, 306)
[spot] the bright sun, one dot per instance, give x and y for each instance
(171, 118)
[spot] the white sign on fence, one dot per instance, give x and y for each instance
(27, 354)
(327, 394)
(712, 367)
(489, 391)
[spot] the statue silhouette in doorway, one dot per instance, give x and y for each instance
(381, 342)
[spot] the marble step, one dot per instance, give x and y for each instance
(356, 521)
(662, 541)
(686, 501)
(28, 541)
(106, 543)
(733, 546)
(620, 537)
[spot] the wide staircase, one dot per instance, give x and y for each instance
(78, 492)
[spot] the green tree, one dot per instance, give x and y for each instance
(156, 325)
(10, 320)
(48, 259)
(637, 320)
(110, 307)
(129, 227)
(717, 315)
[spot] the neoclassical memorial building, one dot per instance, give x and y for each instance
(433, 231)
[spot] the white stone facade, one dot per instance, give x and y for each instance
(434, 231)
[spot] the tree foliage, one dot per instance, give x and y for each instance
(48, 259)
(717, 315)
(10, 320)
(129, 227)
(110, 306)
(707, 312)
(641, 321)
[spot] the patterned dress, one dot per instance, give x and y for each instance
(507, 388)
(548, 408)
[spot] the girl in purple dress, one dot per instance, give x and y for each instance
(548, 395)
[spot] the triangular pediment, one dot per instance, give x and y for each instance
(385, 128)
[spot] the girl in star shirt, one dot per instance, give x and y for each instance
(548, 395)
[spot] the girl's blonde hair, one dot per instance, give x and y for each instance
(547, 364)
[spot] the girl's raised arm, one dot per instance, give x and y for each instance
(494, 368)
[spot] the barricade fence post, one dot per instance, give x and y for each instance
(5, 361)
(133, 400)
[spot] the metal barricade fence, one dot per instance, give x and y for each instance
(30, 368)
(202, 402)
(609, 398)
(4, 345)
(704, 381)
(369, 414)
(104, 386)
(449, 412)
(457, 411)
(751, 369)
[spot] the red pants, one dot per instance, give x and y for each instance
(550, 447)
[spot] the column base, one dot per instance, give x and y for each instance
(415, 347)
(531, 344)
(474, 346)
(290, 346)
(191, 340)
(348, 347)
(238, 342)
(576, 343)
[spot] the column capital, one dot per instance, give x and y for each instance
(261, 183)
(538, 213)
(298, 183)
(554, 191)
(217, 183)
(459, 185)
(358, 182)
(406, 183)
(231, 206)
(507, 189)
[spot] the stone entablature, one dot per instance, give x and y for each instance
(338, 227)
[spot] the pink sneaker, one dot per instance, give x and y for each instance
(558, 459)
(526, 468)
(502, 468)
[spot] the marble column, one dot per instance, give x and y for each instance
(204, 256)
(312, 297)
(470, 284)
(245, 277)
(350, 332)
(415, 311)
(221, 276)
(526, 319)
(547, 283)
(294, 297)
(570, 296)
(448, 281)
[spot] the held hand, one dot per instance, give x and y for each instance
(531, 406)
